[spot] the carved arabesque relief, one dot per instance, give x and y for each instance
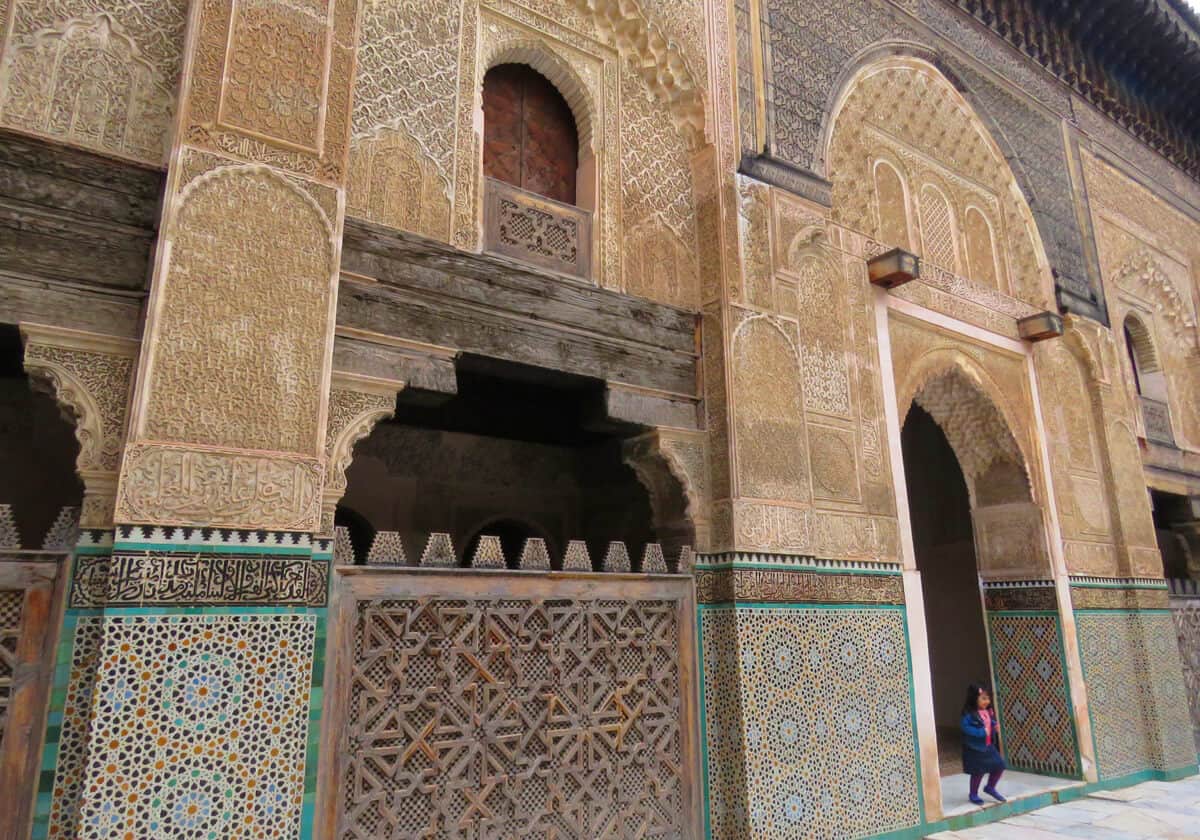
(97, 74)
(292, 111)
(90, 377)
(634, 76)
(392, 181)
(768, 411)
(241, 343)
(942, 169)
(981, 400)
(1150, 258)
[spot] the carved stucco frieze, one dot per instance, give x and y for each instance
(90, 376)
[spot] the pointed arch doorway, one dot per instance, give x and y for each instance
(980, 549)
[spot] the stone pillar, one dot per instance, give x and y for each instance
(191, 659)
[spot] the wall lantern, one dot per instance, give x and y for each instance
(1041, 326)
(895, 268)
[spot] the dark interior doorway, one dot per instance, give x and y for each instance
(1174, 523)
(940, 512)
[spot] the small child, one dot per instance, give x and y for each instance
(981, 733)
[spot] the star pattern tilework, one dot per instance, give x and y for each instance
(198, 727)
(820, 741)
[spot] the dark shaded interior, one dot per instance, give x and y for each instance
(37, 448)
(940, 512)
(1173, 523)
(518, 452)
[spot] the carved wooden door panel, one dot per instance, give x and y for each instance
(529, 135)
(30, 611)
(501, 704)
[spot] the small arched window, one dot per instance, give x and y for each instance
(529, 134)
(937, 228)
(1148, 377)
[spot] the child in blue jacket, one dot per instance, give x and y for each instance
(981, 736)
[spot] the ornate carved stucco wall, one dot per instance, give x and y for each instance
(1149, 254)
(102, 74)
(803, 53)
(634, 75)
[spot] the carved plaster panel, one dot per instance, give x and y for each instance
(241, 343)
(101, 74)
(771, 456)
(290, 112)
(792, 530)
(168, 484)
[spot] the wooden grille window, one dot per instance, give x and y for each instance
(529, 134)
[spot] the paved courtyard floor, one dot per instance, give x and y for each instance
(1166, 810)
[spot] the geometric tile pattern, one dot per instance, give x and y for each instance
(10, 626)
(1170, 723)
(519, 717)
(198, 727)
(67, 743)
(1032, 696)
(809, 722)
(1136, 693)
(1186, 612)
(1108, 643)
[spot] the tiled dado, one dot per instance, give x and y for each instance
(1029, 666)
(808, 713)
(187, 687)
(1136, 694)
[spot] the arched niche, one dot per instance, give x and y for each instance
(892, 205)
(1005, 503)
(902, 106)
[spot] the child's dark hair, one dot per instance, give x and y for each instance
(971, 704)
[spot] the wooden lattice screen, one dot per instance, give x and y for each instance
(30, 611)
(498, 704)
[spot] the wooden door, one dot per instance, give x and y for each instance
(529, 135)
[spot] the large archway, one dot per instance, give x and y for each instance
(981, 550)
